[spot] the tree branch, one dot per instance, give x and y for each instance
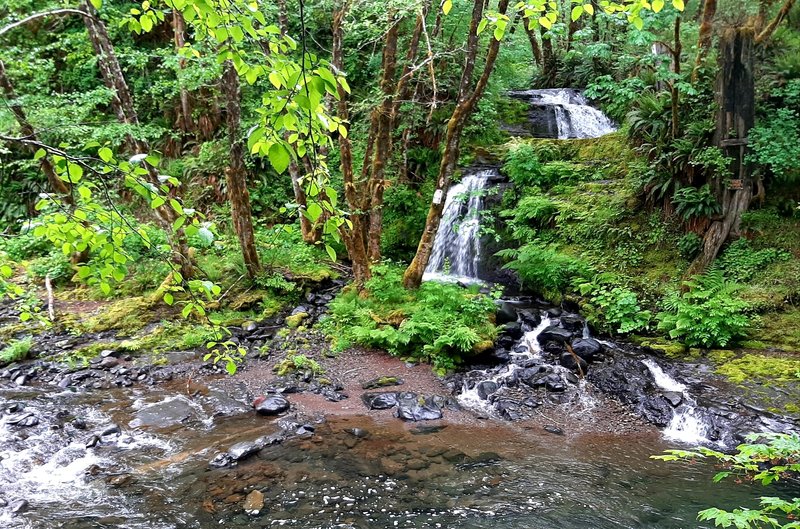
(43, 14)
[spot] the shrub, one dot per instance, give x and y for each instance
(56, 265)
(691, 202)
(25, 245)
(16, 350)
(689, 245)
(522, 165)
(543, 267)
(707, 315)
(617, 306)
(534, 209)
(440, 323)
(741, 262)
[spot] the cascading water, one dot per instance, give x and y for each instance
(686, 425)
(456, 248)
(563, 113)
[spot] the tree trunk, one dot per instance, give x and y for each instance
(549, 62)
(123, 106)
(535, 48)
(466, 104)
(706, 32)
(677, 49)
(57, 185)
(770, 29)
(735, 118)
(236, 174)
(185, 123)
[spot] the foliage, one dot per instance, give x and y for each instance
(615, 96)
(691, 202)
(766, 458)
(708, 314)
(440, 323)
(618, 307)
(230, 353)
(16, 350)
(769, 369)
(522, 165)
(741, 262)
(298, 363)
(543, 268)
(55, 265)
(25, 245)
(689, 245)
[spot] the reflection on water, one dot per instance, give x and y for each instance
(352, 472)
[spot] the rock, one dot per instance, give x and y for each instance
(333, 396)
(306, 429)
(554, 430)
(24, 420)
(105, 353)
(673, 397)
(513, 329)
(249, 326)
(486, 388)
(270, 405)
(295, 320)
(530, 318)
(379, 401)
(382, 382)
(508, 410)
(254, 502)
(3, 502)
(587, 348)
(573, 322)
(220, 460)
(657, 410)
(300, 309)
(554, 312)
(164, 414)
(574, 362)
(245, 449)
(419, 412)
(92, 441)
(505, 313)
(555, 334)
(108, 362)
(19, 507)
(21, 380)
(554, 384)
(112, 429)
(358, 432)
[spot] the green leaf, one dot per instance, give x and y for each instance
(314, 211)
(447, 6)
(331, 252)
(105, 154)
(85, 192)
(206, 235)
(279, 157)
(75, 173)
(169, 299)
(146, 23)
(577, 11)
(499, 32)
(41, 153)
(482, 25)
(545, 22)
(658, 5)
(678, 4)
(97, 4)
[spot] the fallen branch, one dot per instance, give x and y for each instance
(51, 311)
(577, 360)
(35, 16)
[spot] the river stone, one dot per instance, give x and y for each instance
(673, 397)
(254, 502)
(530, 318)
(379, 401)
(555, 334)
(505, 313)
(382, 382)
(19, 507)
(220, 460)
(513, 329)
(23, 419)
(112, 429)
(108, 362)
(270, 405)
(486, 388)
(574, 362)
(587, 348)
(3, 502)
(657, 410)
(169, 412)
(245, 449)
(554, 430)
(572, 322)
(419, 412)
(554, 384)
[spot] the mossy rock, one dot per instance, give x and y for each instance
(294, 321)
(765, 369)
(482, 346)
(668, 349)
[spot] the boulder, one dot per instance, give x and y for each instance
(270, 405)
(554, 384)
(419, 412)
(505, 313)
(574, 362)
(573, 322)
(379, 401)
(587, 348)
(555, 334)
(513, 329)
(382, 382)
(673, 397)
(486, 388)
(530, 318)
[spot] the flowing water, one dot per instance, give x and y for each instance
(353, 472)
(456, 249)
(563, 113)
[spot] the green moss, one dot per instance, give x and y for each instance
(294, 363)
(669, 349)
(778, 330)
(761, 369)
(293, 322)
(721, 356)
(125, 315)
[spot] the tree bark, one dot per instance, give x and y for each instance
(549, 61)
(185, 123)
(57, 185)
(677, 49)
(236, 173)
(735, 118)
(706, 32)
(467, 101)
(535, 48)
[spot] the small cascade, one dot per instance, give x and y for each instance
(563, 113)
(456, 249)
(687, 425)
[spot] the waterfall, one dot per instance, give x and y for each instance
(456, 248)
(686, 425)
(563, 113)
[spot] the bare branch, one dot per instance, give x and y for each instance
(43, 14)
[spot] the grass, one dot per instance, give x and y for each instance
(16, 350)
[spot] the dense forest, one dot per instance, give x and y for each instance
(507, 209)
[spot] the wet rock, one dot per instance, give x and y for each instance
(179, 357)
(300, 309)
(108, 362)
(164, 414)
(79, 424)
(254, 502)
(382, 382)
(555, 334)
(333, 396)
(674, 398)
(513, 329)
(249, 326)
(587, 348)
(508, 410)
(105, 353)
(486, 388)
(19, 507)
(21, 380)
(270, 405)
(220, 461)
(554, 384)
(245, 449)
(532, 402)
(360, 433)
(379, 401)
(3, 502)
(419, 412)
(657, 410)
(530, 318)
(92, 441)
(554, 312)
(454, 456)
(554, 430)
(24, 420)
(306, 429)
(112, 429)
(573, 322)
(574, 362)
(427, 430)
(505, 313)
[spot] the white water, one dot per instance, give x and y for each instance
(456, 248)
(686, 426)
(575, 117)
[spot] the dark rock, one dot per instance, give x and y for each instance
(3, 502)
(249, 326)
(657, 410)
(358, 432)
(513, 329)
(21, 380)
(245, 449)
(505, 342)
(419, 412)
(78, 424)
(332, 395)
(270, 405)
(92, 441)
(109, 352)
(530, 318)
(554, 430)
(587, 348)
(574, 362)
(300, 309)
(505, 313)
(573, 322)
(19, 507)
(379, 401)
(674, 398)
(508, 410)
(23, 420)
(108, 362)
(306, 429)
(427, 430)
(554, 384)
(555, 334)
(554, 312)
(454, 456)
(164, 414)
(532, 402)
(113, 429)
(486, 388)
(382, 382)
(572, 378)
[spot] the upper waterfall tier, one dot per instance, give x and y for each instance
(561, 113)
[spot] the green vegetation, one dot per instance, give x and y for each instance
(298, 363)
(16, 350)
(439, 323)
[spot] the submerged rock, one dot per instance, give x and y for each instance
(254, 502)
(419, 412)
(486, 388)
